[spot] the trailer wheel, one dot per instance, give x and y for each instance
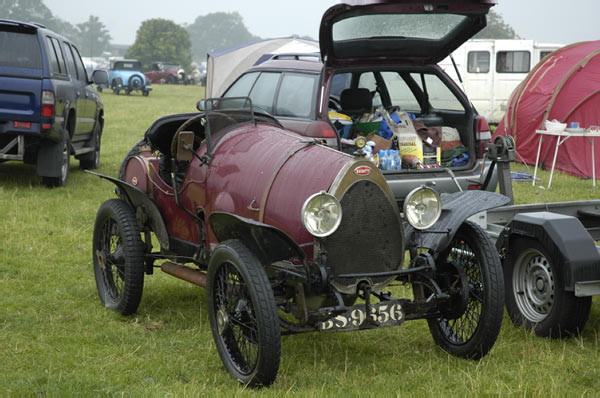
(535, 292)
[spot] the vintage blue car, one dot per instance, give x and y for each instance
(126, 75)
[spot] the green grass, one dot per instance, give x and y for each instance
(56, 339)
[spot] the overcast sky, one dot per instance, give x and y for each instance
(553, 21)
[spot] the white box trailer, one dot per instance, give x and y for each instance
(492, 69)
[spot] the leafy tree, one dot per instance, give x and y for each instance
(218, 30)
(496, 28)
(36, 11)
(93, 38)
(161, 40)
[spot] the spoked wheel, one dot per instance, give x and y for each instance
(470, 323)
(243, 315)
(118, 257)
(535, 292)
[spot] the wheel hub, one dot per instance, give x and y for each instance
(533, 283)
(222, 320)
(101, 256)
(455, 283)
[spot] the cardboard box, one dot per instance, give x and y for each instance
(380, 142)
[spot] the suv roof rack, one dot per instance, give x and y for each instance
(315, 57)
(39, 25)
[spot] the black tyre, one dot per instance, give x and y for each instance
(471, 332)
(118, 253)
(243, 315)
(171, 79)
(91, 160)
(136, 82)
(535, 292)
(116, 85)
(134, 151)
(145, 93)
(64, 160)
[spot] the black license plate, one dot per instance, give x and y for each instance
(387, 313)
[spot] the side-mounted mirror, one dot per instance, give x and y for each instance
(204, 105)
(185, 146)
(100, 76)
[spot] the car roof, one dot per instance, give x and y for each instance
(289, 64)
(32, 26)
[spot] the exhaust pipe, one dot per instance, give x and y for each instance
(185, 273)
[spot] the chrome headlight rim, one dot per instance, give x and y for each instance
(407, 210)
(303, 214)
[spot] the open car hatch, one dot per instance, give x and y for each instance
(359, 31)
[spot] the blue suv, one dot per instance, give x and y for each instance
(49, 109)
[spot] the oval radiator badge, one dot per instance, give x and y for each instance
(362, 171)
(134, 180)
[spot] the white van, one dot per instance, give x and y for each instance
(492, 69)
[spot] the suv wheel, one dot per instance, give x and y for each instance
(91, 160)
(60, 181)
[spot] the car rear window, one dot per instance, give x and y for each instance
(20, 50)
(424, 26)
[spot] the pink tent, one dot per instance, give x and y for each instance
(564, 86)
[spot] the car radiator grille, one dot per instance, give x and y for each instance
(369, 238)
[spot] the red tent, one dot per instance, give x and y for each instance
(564, 86)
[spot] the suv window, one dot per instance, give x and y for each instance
(513, 61)
(296, 95)
(20, 50)
(440, 96)
(263, 92)
(70, 60)
(54, 68)
(79, 63)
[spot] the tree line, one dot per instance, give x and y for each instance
(164, 40)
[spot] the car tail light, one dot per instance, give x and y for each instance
(48, 104)
(483, 135)
(473, 187)
(324, 131)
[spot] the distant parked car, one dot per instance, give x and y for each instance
(163, 72)
(49, 109)
(126, 75)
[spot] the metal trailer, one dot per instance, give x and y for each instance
(549, 255)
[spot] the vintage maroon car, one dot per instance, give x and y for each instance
(291, 236)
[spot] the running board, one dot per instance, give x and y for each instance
(83, 150)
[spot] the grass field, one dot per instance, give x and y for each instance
(56, 339)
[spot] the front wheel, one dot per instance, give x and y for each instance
(118, 253)
(469, 325)
(535, 292)
(91, 160)
(243, 315)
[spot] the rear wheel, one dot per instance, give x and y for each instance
(243, 315)
(118, 257)
(65, 157)
(171, 79)
(469, 325)
(535, 292)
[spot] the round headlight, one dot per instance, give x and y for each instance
(422, 207)
(321, 214)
